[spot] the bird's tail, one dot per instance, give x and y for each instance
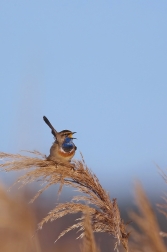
(54, 132)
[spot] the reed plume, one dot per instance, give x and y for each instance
(163, 207)
(89, 244)
(104, 213)
(148, 238)
(17, 225)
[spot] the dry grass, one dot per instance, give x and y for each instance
(148, 239)
(89, 244)
(104, 213)
(17, 225)
(163, 207)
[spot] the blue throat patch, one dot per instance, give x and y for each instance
(68, 144)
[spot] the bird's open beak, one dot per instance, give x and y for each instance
(71, 135)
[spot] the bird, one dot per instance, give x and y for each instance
(63, 148)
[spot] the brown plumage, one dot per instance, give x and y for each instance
(57, 152)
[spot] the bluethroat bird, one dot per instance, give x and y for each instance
(63, 149)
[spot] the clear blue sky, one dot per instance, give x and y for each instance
(95, 67)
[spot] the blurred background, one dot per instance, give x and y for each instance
(94, 67)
